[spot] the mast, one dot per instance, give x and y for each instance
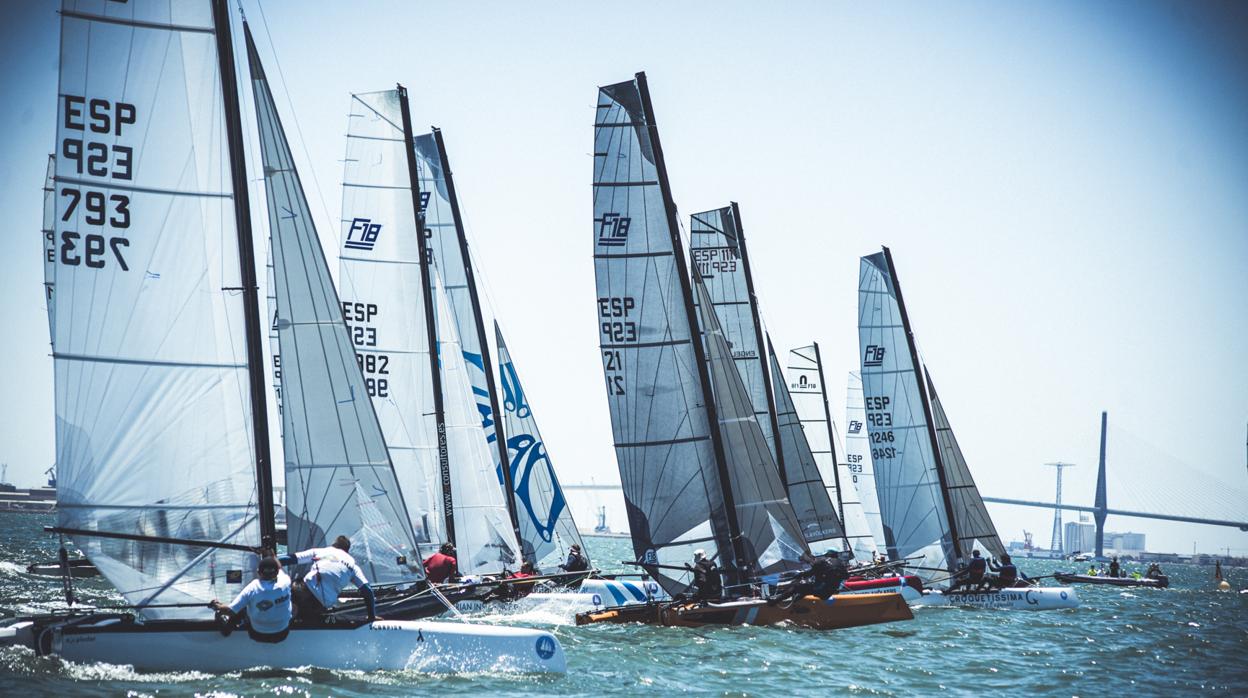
(927, 408)
(431, 329)
(758, 335)
(827, 418)
(247, 264)
(486, 362)
(699, 351)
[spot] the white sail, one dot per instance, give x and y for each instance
(48, 233)
(858, 458)
(339, 480)
(908, 484)
(805, 383)
(382, 296)
(484, 538)
(545, 518)
(153, 406)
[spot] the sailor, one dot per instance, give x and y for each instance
(1007, 573)
(707, 585)
(265, 602)
(828, 572)
(577, 562)
(332, 568)
(1114, 569)
(975, 571)
(1154, 571)
(441, 565)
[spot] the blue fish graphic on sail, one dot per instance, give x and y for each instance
(542, 513)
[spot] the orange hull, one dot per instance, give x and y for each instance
(845, 611)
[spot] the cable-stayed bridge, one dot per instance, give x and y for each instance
(1100, 508)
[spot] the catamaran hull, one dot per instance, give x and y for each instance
(888, 584)
(618, 592)
(835, 612)
(1020, 599)
(1151, 582)
(384, 645)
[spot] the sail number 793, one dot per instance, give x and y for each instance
(103, 119)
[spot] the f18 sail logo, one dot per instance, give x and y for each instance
(367, 234)
(613, 230)
(855, 426)
(874, 356)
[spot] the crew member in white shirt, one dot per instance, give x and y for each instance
(265, 603)
(332, 569)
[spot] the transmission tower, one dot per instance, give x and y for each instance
(1055, 545)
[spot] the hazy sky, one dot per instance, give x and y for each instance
(1064, 187)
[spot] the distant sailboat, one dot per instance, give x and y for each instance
(929, 505)
(809, 393)
(162, 438)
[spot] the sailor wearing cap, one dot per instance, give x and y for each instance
(265, 603)
(577, 562)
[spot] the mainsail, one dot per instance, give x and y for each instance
(717, 248)
(339, 479)
(546, 524)
(160, 423)
(771, 536)
(858, 457)
(974, 525)
(672, 478)
(383, 296)
(808, 487)
(908, 478)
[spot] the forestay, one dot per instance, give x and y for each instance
(153, 406)
(771, 535)
(717, 251)
(545, 519)
(858, 453)
(382, 296)
(906, 470)
(811, 495)
(974, 525)
(339, 479)
(659, 420)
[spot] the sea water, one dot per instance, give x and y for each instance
(1119, 642)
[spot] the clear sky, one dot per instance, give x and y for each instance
(1064, 187)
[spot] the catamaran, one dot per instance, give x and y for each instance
(931, 511)
(162, 433)
(695, 466)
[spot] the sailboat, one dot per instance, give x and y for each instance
(162, 433)
(931, 511)
(808, 388)
(402, 297)
(695, 467)
(722, 262)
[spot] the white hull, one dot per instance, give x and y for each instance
(556, 602)
(420, 646)
(1017, 599)
(618, 592)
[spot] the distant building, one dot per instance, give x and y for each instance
(1079, 537)
(1124, 543)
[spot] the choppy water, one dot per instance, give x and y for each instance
(1120, 642)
